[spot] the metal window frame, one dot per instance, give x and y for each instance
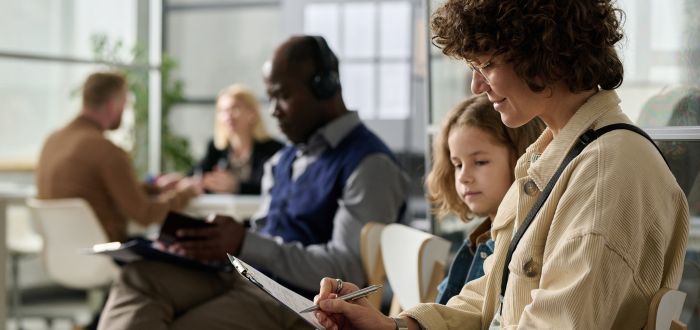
(674, 133)
(375, 60)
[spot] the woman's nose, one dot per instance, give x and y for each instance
(479, 84)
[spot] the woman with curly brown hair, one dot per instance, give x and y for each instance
(594, 223)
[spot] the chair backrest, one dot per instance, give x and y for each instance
(22, 238)
(415, 263)
(68, 227)
(370, 239)
(665, 310)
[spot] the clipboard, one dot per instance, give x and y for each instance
(290, 299)
(141, 248)
(175, 221)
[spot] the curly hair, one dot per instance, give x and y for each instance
(547, 41)
(476, 112)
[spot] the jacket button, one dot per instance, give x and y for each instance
(530, 268)
(530, 188)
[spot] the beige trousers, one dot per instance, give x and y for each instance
(154, 296)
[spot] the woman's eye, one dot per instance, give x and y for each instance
(457, 166)
(481, 162)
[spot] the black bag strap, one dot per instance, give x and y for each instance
(599, 132)
(584, 140)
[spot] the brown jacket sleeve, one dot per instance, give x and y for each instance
(129, 196)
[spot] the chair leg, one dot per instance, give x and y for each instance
(16, 307)
(97, 298)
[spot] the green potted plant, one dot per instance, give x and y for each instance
(175, 149)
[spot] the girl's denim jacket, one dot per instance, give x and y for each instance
(468, 264)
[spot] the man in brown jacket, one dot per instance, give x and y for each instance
(78, 161)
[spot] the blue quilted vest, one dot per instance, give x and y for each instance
(303, 210)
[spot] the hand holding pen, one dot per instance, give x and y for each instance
(338, 314)
(350, 296)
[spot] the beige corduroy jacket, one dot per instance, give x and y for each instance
(612, 232)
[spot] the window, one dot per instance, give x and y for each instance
(215, 47)
(373, 42)
(658, 55)
(45, 55)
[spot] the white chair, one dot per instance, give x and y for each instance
(372, 263)
(22, 238)
(665, 310)
(415, 264)
(68, 227)
(22, 242)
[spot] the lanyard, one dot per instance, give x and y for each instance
(584, 140)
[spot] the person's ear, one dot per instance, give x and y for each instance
(111, 105)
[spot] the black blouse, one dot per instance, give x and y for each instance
(262, 151)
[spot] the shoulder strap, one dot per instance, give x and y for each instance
(584, 140)
(605, 129)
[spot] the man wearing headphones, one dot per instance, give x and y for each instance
(318, 193)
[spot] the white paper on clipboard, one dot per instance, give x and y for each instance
(287, 297)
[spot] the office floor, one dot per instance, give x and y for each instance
(80, 316)
(51, 308)
(39, 324)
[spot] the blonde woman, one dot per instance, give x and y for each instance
(235, 156)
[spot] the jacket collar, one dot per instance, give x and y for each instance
(543, 157)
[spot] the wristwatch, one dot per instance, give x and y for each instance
(400, 323)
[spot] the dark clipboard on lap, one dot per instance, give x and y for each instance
(175, 221)
(141, 248)
(290, 299)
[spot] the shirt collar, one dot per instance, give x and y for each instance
(543, 157)
(332, 133)
(480, 234)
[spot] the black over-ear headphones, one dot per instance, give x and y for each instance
(325, 82)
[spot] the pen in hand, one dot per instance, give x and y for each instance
(350, 296)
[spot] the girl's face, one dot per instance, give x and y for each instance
(482, 168)
(237, 115)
